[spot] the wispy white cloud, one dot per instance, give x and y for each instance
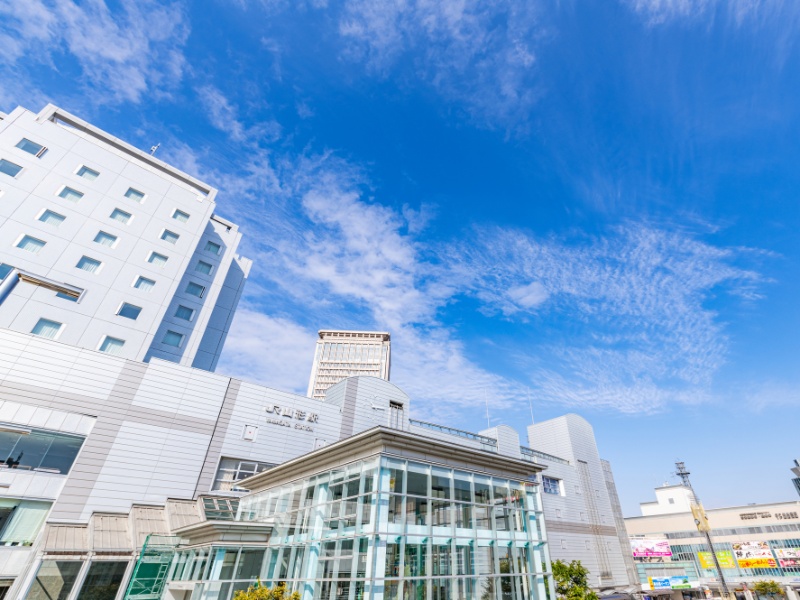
(327, 253)
(737, 12)
(481, 55)
(272, 350)
(121, 55)
(641, 333)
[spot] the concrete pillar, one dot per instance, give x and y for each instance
(791, 594)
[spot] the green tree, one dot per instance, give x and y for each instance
(260, 592)
(571, 581)
(769, 588)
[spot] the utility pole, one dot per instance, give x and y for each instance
(701, 520)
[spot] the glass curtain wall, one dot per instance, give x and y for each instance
(386, 529)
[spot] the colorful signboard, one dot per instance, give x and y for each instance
(788, 557)
(725, 558)
(679, 582)
(650, 547)
(754, 555)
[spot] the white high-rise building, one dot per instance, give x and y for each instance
(343, 354)
(106, 247)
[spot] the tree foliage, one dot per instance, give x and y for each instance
(261, 592)
(768, 588)
(571, 581)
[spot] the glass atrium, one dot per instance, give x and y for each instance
(385, 528)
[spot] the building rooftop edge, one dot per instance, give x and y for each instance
(385, 334)
(53, 112)
(708, 510)
(375, 436)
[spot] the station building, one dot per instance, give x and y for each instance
(129, 469)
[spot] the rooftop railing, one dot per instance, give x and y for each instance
(475, 437)
(533, 454)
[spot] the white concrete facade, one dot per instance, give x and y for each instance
(580, 501)
(342, 354)
(156, 269)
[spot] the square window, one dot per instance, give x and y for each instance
(46, 328)
(213, 247)
(144, 284)
(31, 147)
(185, 313)
(204, 268)
(180, 216)
(157, 259)
(52, 218)
(172, 338)
(195, 289)
(88, 173)
(111, 345)
(134, 195)
(551, 485)
(9, 168)
(70, 194)
(31, 244)
(169, 236)
(129, 311)
(89, 265)
(105, 239)
(120, 216)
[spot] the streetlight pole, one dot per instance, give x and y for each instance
(701, 520)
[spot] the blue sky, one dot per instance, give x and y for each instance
(593, 204)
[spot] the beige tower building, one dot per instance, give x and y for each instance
(343, 354)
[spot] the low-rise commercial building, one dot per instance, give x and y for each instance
(752, 542)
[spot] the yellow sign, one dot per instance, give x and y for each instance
(757, 563)
(725, 558)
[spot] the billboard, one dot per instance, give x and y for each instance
(725, 558)
(645, 547)
(788, 557)
(676, 582)
(753, 555)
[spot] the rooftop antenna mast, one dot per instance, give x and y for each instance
(701, 520)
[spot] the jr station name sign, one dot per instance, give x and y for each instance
(290, 417)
